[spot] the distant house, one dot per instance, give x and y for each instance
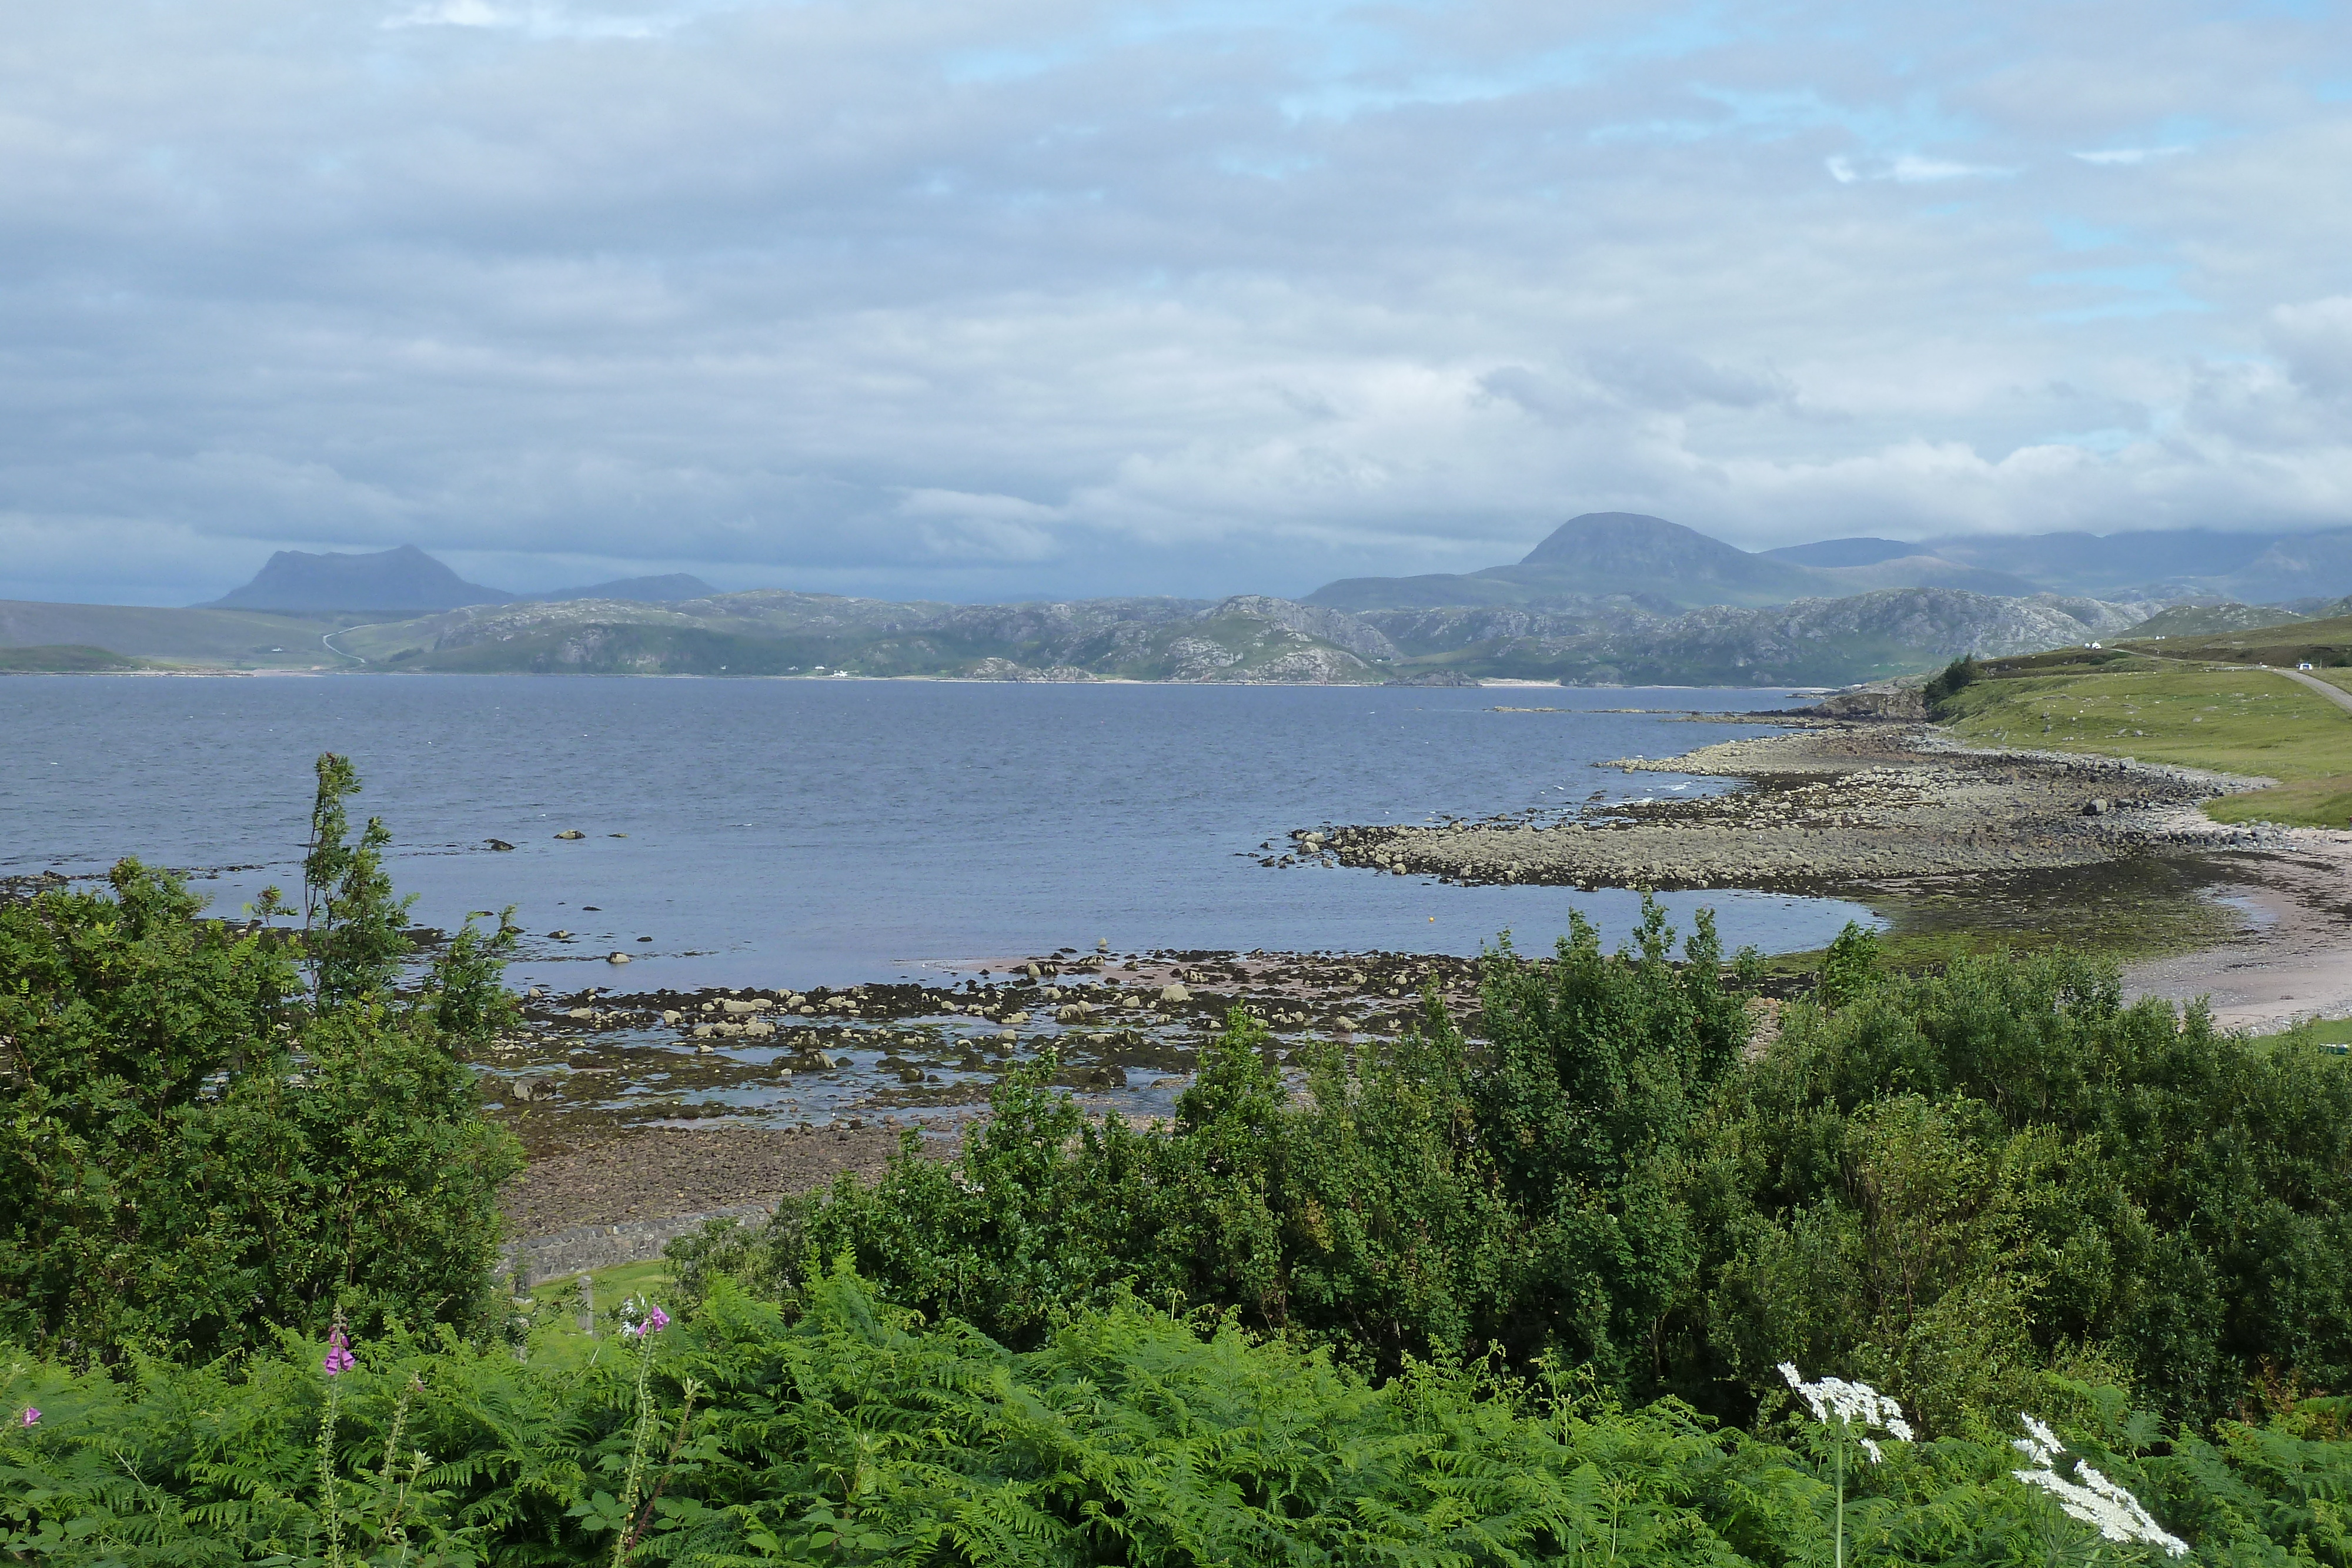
(2303, 666)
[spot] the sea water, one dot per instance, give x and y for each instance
(820, 832)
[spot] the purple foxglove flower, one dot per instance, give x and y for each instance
(338, 1355)
(31, 1417)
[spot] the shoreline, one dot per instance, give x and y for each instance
(1829, 809)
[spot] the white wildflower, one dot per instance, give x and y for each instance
(1856, 1406)
(1852, 1410)
(2094, 1499)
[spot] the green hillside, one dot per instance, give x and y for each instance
(234, 639)
(1218, 648)
(2249, 722)
(68, 659)
(2212, 619)
(2327, 643)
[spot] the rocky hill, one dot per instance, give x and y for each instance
(406, 581)
(2203, 620)
(666, 590)
(1250, 638)
(1626, 553)
(401, 581)
(1817, 642)
(1602, 554)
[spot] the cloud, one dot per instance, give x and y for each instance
(2129, 156)
(1909, 169)
(1036, 297)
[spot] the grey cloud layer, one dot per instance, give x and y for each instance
(1006, 297)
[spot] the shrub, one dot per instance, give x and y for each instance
(197, 1149)
(1949, 1185)
(1955, 1181)
(1419, 1198)
(1949, 682)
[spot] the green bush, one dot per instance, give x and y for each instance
(1949, 1185)
(1949, 681)
(196, 1148)
(1418, 1199)
(1955, 1181)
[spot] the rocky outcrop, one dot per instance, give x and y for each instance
(1815, 642)
(1337, 627)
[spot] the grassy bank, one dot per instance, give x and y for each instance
(2242, 720)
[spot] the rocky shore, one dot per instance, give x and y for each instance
(637, 1107)
(1824, 809)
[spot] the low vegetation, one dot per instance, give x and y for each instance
(1953, 1185)
(1528, 1288)
(2325, 643)
(211, 1139)
(65, 659)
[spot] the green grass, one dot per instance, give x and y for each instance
(2323, 642)
(65, 659)
(230, 639)
(2250, 722)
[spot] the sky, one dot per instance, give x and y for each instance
(1020, 299)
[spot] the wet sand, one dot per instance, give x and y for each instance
(2292, 960)
(668, 1172)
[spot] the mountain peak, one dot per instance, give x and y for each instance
(402, 580)
(1635, 543)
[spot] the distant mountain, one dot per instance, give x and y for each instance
(404, 582)
(1592, 556)
(1860, 565)
(2254, 568)
(1604, 553)
(669, 590)
(1844, 552)
(1249, 638)
(1813, 642)
(2210, 620)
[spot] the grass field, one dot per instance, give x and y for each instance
(217, 639)
(2241, 720)
(68, 659)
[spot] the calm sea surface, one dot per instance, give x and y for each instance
(811, 832)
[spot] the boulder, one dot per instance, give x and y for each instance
(570, 834)
(498, 843)
(616, 957)
(1174, 993)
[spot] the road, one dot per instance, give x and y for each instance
(2336, 695)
